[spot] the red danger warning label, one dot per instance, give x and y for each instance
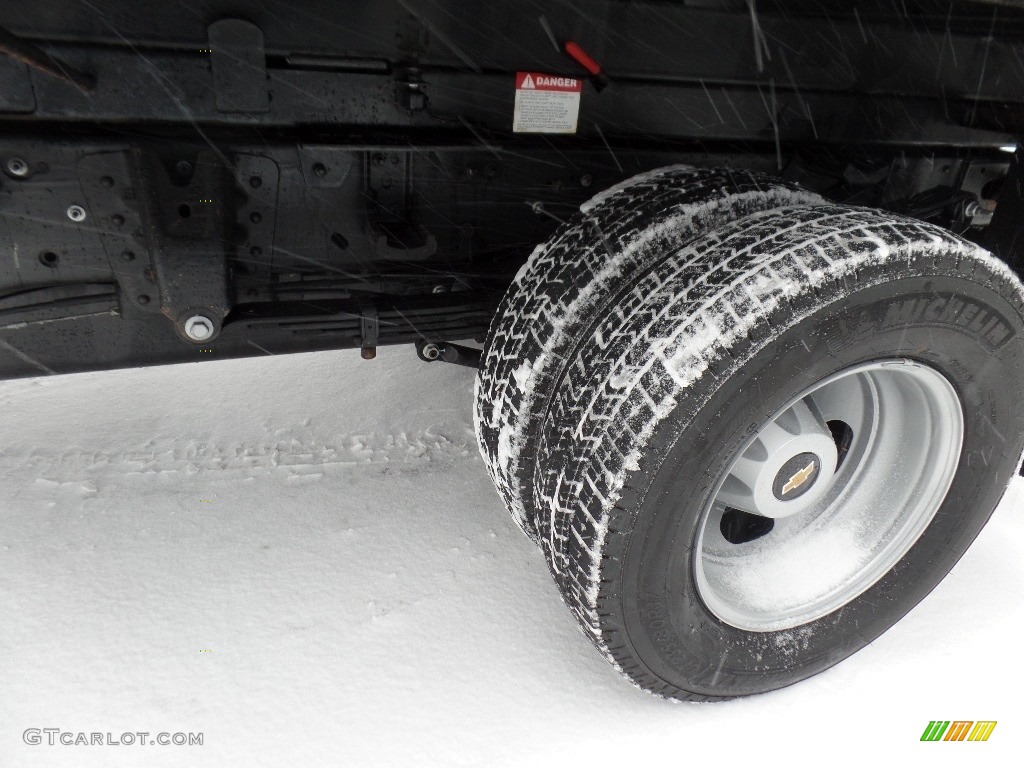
(546, 103)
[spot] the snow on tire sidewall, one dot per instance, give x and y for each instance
(680, 319)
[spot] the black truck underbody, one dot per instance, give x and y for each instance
(322, 175)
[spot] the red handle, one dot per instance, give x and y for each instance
(582, 58)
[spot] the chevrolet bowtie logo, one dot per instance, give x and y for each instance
(799, 478)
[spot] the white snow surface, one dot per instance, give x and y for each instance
(303, 558)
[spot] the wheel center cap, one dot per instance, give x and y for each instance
(796, 477)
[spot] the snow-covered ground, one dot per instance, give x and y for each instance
(303, 558)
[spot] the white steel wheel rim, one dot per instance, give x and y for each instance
(895, 429)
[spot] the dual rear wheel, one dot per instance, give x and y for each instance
(749, 429)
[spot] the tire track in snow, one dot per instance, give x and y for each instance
(299, 455)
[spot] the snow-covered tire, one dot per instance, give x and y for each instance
(569, 279)
(662, 391)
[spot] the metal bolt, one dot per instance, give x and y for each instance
(431, 351)
(320, 169)
(379, 159)
(971, 209)
(17, 167)
(183, 167)
(255, 182)
(199, 328)
(76, 213)
(586, 180)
